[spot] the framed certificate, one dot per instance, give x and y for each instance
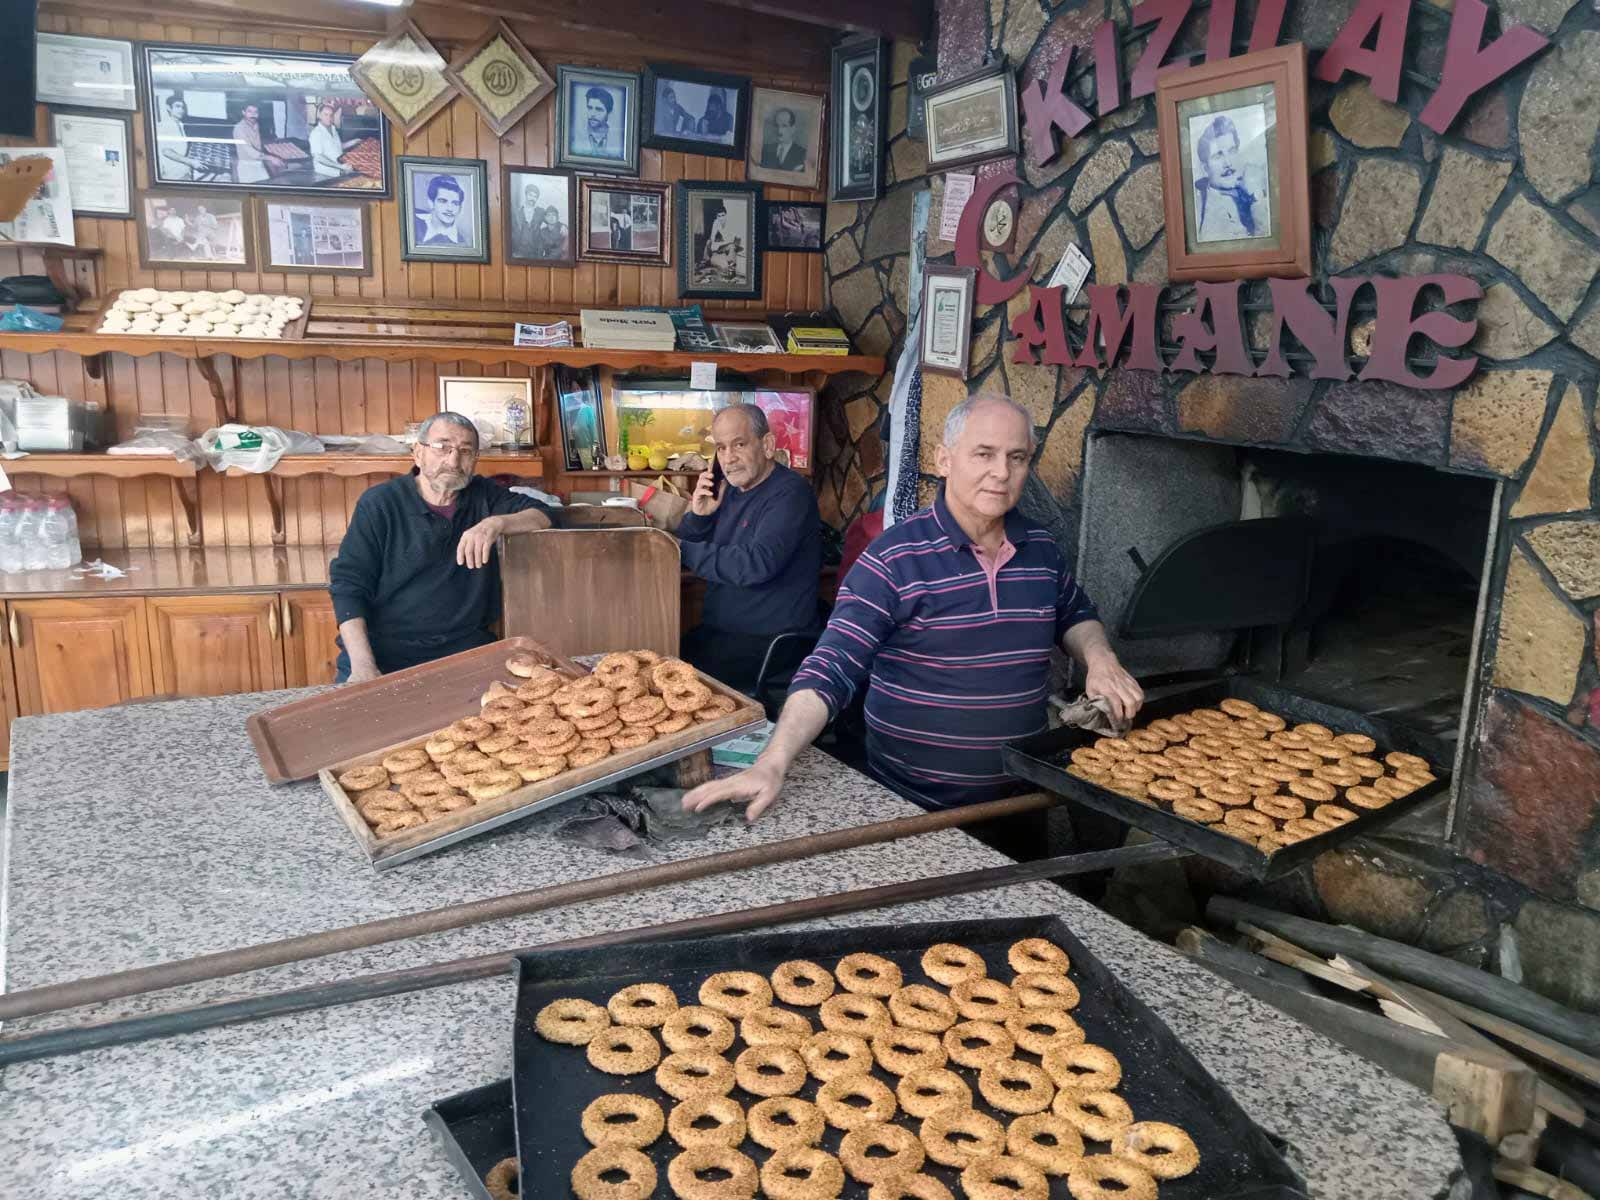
(86, 72)
(947, 319)
(99, 151)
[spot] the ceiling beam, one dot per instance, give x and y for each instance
(906, 20)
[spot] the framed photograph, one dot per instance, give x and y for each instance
(85, 72)
(405, 77)
(859, 106)
(625, 221)
(540, 208)
(697, 112)
(46, 216)
(747, 337)
(444, 209)
(99, 152)
(1233, 166)
(717, 254)
(486, 400)
(597, 120)
(196, 230)
(582, 416)
(501, 78)
(947, 318)
(790, 227)
(972, 119)
(785, 138)
(261, 121)
(327, 237)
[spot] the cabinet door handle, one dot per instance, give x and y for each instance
(288, 619)
(16, 633)
(272, 621)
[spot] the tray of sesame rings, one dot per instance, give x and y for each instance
(995, 1060)
(1256, 777)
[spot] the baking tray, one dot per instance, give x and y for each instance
(476, 1129)
(1162, 1082)
(1043, 759)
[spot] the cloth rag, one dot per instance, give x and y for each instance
(1091, 713)
(625, 821)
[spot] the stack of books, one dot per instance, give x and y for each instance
(810, 333)
(555, 336)
(693, 332)
(627, 330)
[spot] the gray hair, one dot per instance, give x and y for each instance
(449, 418)
(753, 414)
(957, 420)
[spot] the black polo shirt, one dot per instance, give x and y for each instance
(397, 568)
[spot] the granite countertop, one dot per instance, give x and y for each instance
(147, 833)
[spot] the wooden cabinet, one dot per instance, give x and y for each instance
(310, 648)
(216, 645)
(72, 654)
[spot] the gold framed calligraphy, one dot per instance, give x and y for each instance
(405, 77)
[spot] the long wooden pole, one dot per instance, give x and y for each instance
(96, 989)
(54, 1043)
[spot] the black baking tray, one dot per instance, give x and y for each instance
(1044, 758)
(1162, 1081)
(476, 1129)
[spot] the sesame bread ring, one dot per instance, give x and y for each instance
(728, 1126)
(676, 723)
(1314, 731)
(694, 1027)
(1394, 786)
(867, 975)
(644, 1004)
(1106, 1177)
(374, 803)
(502, 710)
(1206, 812)
(1315, 790)
(589, 1175)
(492, 784)
(1170, 790)
(1355, 743)
(1185, 756)
(539, 691)
(1037, 1029)
(532, 717)
(1289, 740)
(1083, 1067)
(1163, 1150)
(542, 769)
(498, 1182)
(686, 698)
(1045, 989)
(1417, 778)
(588, 702)
(1004, 1178)
(648, 659)
(847, 1012)
(1338, 775)
(802, 1173)
(1210, 745)
(1333, 815)
(364, 779)
(982, 1136)
(1250, 754)
(984, 999)
(949, 964)
(1115, 747)
(978, 1043)
(1099, 1116)
(923, 1093)
(904, 1156)
(783, 1121)
(688, 1073)
(1092, 774)
(402, 761)
(629, 687)
(469, 729)
(623, 1120)
(902, 1051)
(1146, 742)
(519, 755)
(1227, 794)
(468, 759)
(616, 667)
(1272, 722)
(1213, 717)
(1156, 763)
(460, 779)
(775, 1027)
(644, 711)
(1258, 784)
(1127, 787)
(716, 708)
(1280, 808)
(1235, 707)
(440, 746)
(921, 1007)
(1193, 725)
(1037, 954)
(1368, 797)
(670, 673)
(1167, 729)
(624, 1050)
(1327, 750)
(498, 743)
(588, 751)
(424, 789)
(1300, 760)
(831, 1054)
(546, 735)
(1196, 777)
(736, 993)
(1129, 771)
(803, 983)
(1088, 756)
(395, 822)
(1055, 1157)
(1367, 768)
(1250, 821)
(909, 1187)
(571, 1022)
(834, 1097)
(1303, 827)
(1271, 843)
(1278, 772)
(591, 726)
(1014, 1086)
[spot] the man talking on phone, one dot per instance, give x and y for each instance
(755, 537)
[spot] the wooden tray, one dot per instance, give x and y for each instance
(553, 580)
(292, 332)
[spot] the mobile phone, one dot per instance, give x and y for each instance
(717, 476)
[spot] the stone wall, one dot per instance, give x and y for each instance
(1508, 197)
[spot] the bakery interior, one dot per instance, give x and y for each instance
(1326, 472)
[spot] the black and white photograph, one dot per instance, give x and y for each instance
(195, 230)
(597, 120)
(1231, 194)
(326, 236)
(99, 153)
(790, 227)
(746, 337)
(85, 72)
(785, 138)
(857, 102)
(718, 256)
(444, 209)
(539, 207)
(697, 112)
(261, 121)
(972, 119)
(625, 221)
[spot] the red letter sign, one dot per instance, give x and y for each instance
(989, 290)
(1348, 52)
(1224, 335)
(1107, 69)
(1171, 14)
(1294, 306)
(1396, 323)
(1109, 321)
(1468, 69)
(1048, 108)
(1041, 325)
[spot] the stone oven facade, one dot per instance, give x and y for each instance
(1510, 875)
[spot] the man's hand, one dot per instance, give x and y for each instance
(759, 785)
(707, 498)
(476, 543)
(1105, 676)
(364, 673)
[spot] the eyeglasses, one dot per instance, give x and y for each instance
(445, 448)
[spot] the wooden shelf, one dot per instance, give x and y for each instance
(353, 466)
(58, 465)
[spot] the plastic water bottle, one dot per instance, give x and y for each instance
(53, 531)
(74, 543)
(32, 549)
(10, 551)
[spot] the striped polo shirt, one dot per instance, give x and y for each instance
(953, 647)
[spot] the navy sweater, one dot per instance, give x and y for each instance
(397, 568)
(760, 552)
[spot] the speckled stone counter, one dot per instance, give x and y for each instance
(148, 833)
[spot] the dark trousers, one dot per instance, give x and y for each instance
(731, 658)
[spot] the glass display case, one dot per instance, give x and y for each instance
(666, 416)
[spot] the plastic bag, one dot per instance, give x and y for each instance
(157, 443)
(22, 319)
(253, 448)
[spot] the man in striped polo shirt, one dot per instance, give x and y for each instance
(948, 619)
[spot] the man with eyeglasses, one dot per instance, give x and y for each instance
(417, 577)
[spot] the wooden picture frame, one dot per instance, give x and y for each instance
(62, 72)
(776, 236)
(618, 156)
(767, 154)
(583, 385)
(686, 89)
(972, 119)
(728, 268)
(416, 243)
(596, 201)
(945, 334)
(86, 203)
(858, 104)
(313, 251)
(523, 241)
(1249, 114)
(186, 226)
(482, 399)
(406, 77)
(501, 77)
